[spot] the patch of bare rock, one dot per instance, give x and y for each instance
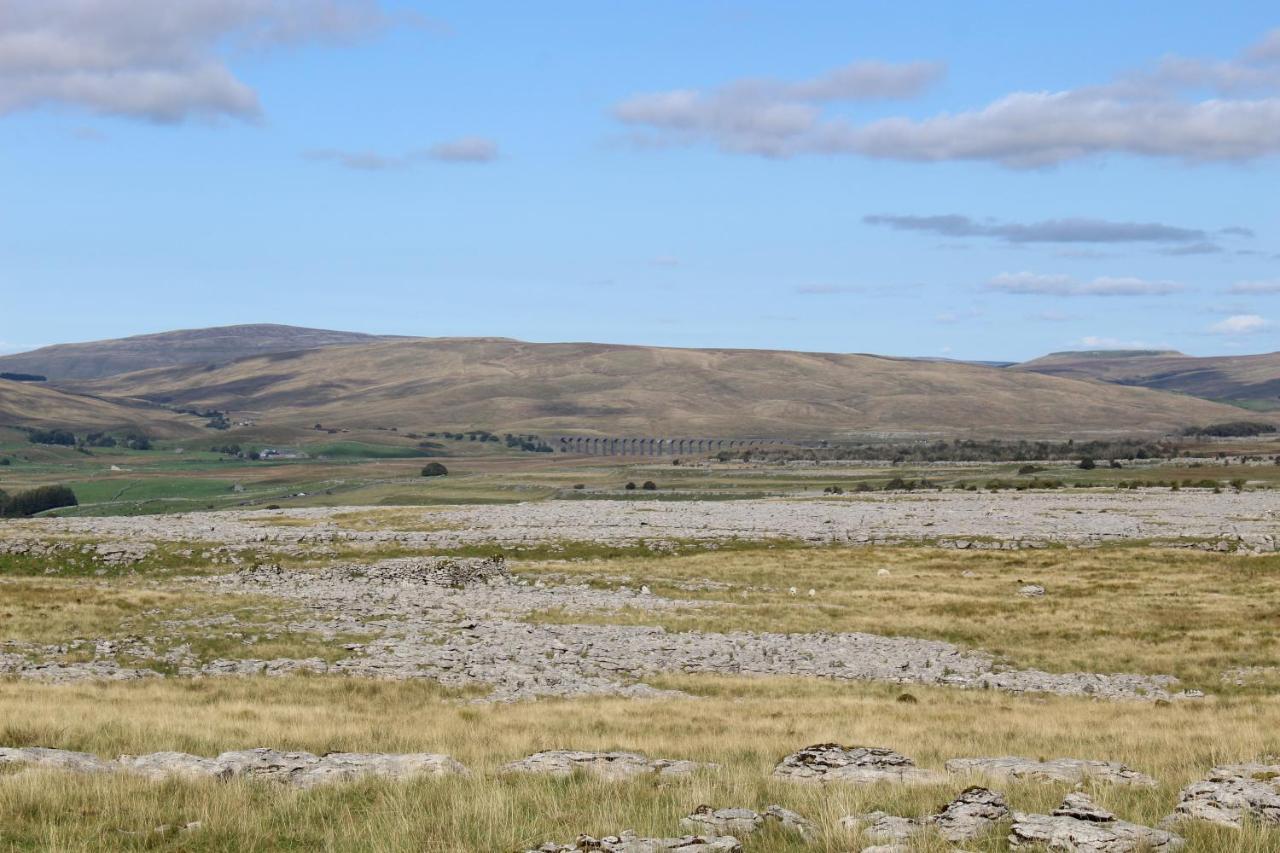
(706, 820)
(603, 765)
(1080, 826)
(1012, 768)
(831, 762)
(299, 769)
(970, 816)
(629, 842)
(1232, 794)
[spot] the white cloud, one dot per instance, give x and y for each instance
(469, 149)
(161, 60)
(473, 149)
(1256, 287)
(1029, 283)
(1240, 324)
(1155, 113)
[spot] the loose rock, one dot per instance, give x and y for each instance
(629, 842)
(971, 814)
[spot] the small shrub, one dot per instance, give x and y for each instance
(630, 487)
(434, 469)
(650, 486)
(579, 486)
(1087, 464)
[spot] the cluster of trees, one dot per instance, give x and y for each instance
(528, 443)
(963, 450)
(61, 437)
(133, 440)
(24, 377)
(35, 500)
(1231, 429)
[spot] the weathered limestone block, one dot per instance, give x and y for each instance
(970, 815)
(1231, 793)
(831, 762)
(629, 842)
(606, 765)
(1074, 770)
(1080, 826)
(57, 759)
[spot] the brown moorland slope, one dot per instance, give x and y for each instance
(1245, 380)
(218, 345)
(462, 383)
(26, 404)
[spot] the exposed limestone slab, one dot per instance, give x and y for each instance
(1074, 770)
(606, 765)
(705, 820)
(881, 826)
(302, 769)
(57, 759)
(831, 762)
(1232, 793)
(972, 814)
(1080, 826)
(629, 842)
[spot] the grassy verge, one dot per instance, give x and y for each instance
(745, 725)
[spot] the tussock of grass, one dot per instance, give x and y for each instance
(744, 724)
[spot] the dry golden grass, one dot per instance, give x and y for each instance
(745, 725)
(58, 610)
(1118, 609)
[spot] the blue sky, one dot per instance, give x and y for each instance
(978, 180)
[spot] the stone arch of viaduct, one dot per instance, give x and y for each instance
(654, 446)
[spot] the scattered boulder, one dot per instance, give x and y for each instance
(790, 820)
(1080, 826)
(1232, 793)
(629, 842)
(971, 814)
(1031, 590)
(606, 765)
(1014, 768)
(831, 762)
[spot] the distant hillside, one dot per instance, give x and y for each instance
(96, 359)
(654, 391)
(26, 404)
(1252, 381)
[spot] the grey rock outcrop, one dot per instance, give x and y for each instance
(880, 826)
(605, 765)
(55, 759)
(1014, 768)
(300, 769)
(972, 814)
(1232, 793)
(1080, 826)
(831, 762)
(629, 842)
(705, 820)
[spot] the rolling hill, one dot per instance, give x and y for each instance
(501, 384)
(27, 404)
(218, 345)
(1252, 381)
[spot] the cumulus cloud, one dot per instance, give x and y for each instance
(1160, 112)
(159, 60)
(1240, 324)
(1030, 283)
(764, 116)
(1255, 287)
(466, 150)
(1048, 231)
